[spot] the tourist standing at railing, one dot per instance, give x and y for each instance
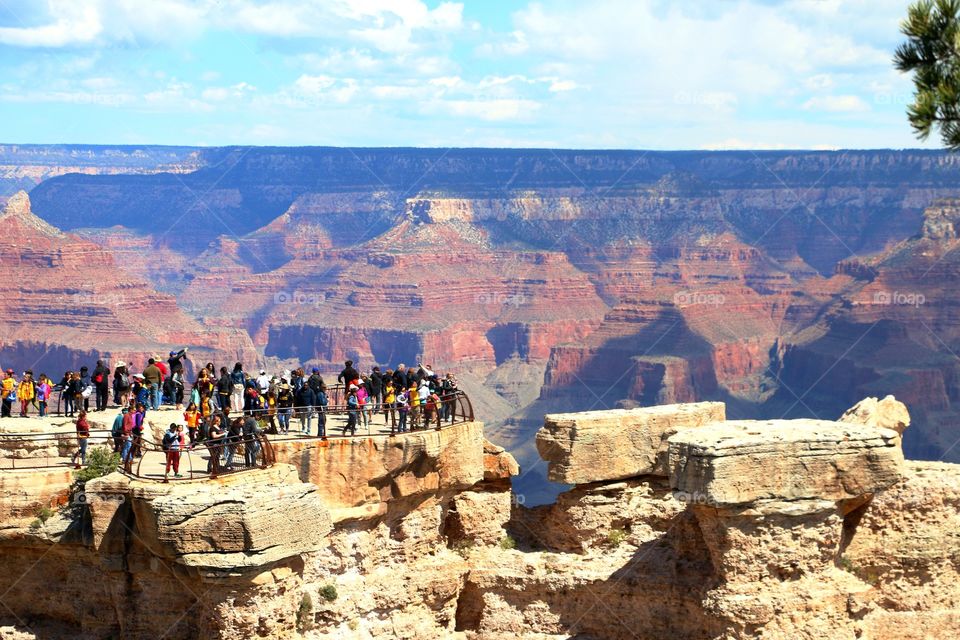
(362, 396)
(173, 444)
(26, 392)
(389, 403)
(9, 393)
(83, 435)
(126, 453)
(375, 380)
(352, 410)
(177, 387)
(117, 430)
(413, 397)
(233, 439)
(192, 417)
(86, 388)
(101, 385)
(321, 406)
(139, 419)
(216, 439)
(403, 409)
(121, 384)
(284, 405)
(448, 390)
(304, 401)
(250, 444)
(349, 375)
(153, 378)
(400, 378)
(224, 390)
(423, 392)
(239, 379)
(72, 393)
(43, 394)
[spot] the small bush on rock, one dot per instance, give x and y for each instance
(328, 592)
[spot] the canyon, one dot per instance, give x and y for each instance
(785, 284)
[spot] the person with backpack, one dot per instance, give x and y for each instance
(121, 384)
(172, 445)
(86, 388)
(101, 385)
(26, 392)
(83, 435)
(153, 379)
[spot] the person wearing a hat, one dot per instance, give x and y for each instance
(9, 392)
(263, 381)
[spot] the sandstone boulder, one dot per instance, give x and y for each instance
(888, 413)
(234, 522)
(616, 444)
(745, 461)
(497, 463)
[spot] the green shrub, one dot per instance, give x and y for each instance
(328, 592)
(508, 543)
(44, 514)
(615, 537)
(305, 614)
(464, 546)
(35, 525)
(100, 462)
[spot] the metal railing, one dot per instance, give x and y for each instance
(210, 458)
(45, 450)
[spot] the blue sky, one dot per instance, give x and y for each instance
(681, 74)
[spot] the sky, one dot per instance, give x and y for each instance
(636, 74)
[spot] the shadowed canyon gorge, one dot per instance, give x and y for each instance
(785, 284)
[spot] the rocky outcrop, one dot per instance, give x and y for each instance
(888, 413)
(730, 464)
(617, 444)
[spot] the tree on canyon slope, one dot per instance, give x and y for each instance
(932, 54)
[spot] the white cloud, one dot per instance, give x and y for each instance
(836, 104)
(558, 85)
(75, 24)
(494, 110)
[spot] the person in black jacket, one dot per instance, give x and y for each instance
(101, 385)
(224, 389)
(349, 374)
(400, 377)
(375, 388)
(176, 360)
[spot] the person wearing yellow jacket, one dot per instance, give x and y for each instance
(7, 392)
(26, 391)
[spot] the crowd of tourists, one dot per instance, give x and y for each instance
(228, 407)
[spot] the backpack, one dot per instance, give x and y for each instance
(322, 399)
(98, 378)
(168, 440)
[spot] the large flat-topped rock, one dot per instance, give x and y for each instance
(620, 443)
(744, 461)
